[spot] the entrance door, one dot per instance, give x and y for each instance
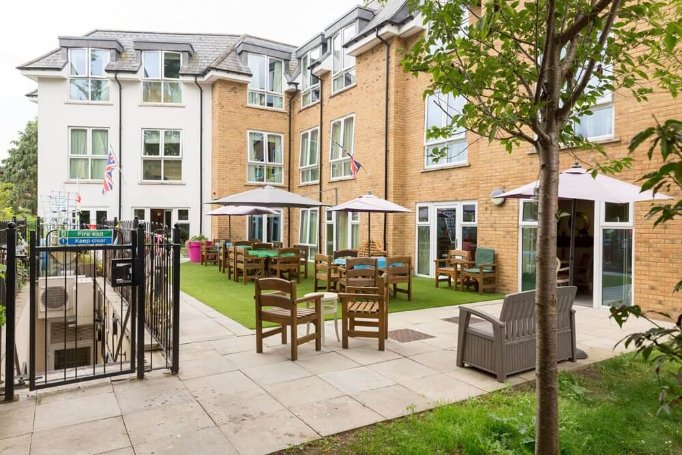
(161, 216)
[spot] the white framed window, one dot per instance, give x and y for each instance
(308, 160)
(307, 230)
(599, 125)
(161, 155)
(265, 228)
(440, 152)
(161, 73)
(88, 80)
(265, 157)
(343, 64)
(88, 149)
(342, 139)
(266, 85)
(310, 84)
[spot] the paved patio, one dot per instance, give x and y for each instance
(228, 399)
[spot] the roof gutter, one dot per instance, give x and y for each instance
(201, 154)
(387, 48)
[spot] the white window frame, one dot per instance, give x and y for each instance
(343, 156)
(88, 75)
(306, 168)
(308, 89)
(523, 224)
(458, 138)
(161, 157)
(89, 156)
(162, 79)
(346, 67)
(268, 90)
(265, 163)
(305, 236)
(603, 103)
(264, 226)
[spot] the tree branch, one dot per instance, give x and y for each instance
(582, 20)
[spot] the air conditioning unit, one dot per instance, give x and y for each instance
(59, 297)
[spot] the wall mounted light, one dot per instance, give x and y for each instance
(494, 197)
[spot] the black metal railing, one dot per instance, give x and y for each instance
(8, 292)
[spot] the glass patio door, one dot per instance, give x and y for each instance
(446, 231)
(616, 265)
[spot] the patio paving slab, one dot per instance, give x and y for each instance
(233, 407)
(276, 372)
(356, 380)
(78, 410)
(393, 401)
(367, 355)
(134, 395)
(98, 436)
(302, 391)
(402, 369)
(16, 420)
(165, 422)
(17, 445)
(208, 441)
(326, 362)
(442, 388)
(336, 415)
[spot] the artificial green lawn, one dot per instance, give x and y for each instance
(608, 408)
(235, 300)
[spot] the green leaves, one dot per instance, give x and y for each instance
(21, 170)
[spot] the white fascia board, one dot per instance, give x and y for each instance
(215, 75)
(323, 67)
(35, 74)
(405, 30)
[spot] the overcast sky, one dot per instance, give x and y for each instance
(29, 28)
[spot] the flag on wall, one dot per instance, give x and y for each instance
(354, 165)
(108, 183)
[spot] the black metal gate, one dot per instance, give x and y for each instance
(100, 310)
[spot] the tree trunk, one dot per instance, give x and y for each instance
(547, 424)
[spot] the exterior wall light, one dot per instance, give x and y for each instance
(497, 200)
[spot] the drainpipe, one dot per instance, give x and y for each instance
(321, 214)
(291, 102)
(120, 145)
(387, 47)
(201, 154)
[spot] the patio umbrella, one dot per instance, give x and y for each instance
(577, 183)
(268, 196)
(370, 203)
(231, 210)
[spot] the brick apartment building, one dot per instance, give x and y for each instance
(283, 115)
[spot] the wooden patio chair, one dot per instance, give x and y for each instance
(360, 272)
(231, 261)
(276, 302)
(249, 267)
(325, 271)
(506, 345)
(345, 254)
(287, 261)
(364, 307)
(305, 251)
(261, 246)
(399, 271)
(483, 271)
(243, 243)
(449, 268)
(209, 254)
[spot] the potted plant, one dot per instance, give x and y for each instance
(194, 247)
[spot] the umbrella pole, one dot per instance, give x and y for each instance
(369, 232)
(571, 254)
(229, 227)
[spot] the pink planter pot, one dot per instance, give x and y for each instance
(194, 251)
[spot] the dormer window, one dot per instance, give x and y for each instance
(265, 88)
(344, 64)
(87, 76)
(161, 76)
(310, 83)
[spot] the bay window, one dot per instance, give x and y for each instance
(310, 151)
(343, 132)
(265, 158)
(161, 73)
(265, 87)
(440, 151)
(87, 76)
(161, 155)
(343, 64)
(88, 149)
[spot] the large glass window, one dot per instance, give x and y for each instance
(307, 231)
(343, 132)
(161, 73)
(310, 152)
(617, 245)
(343, 64)
(444, 151)
(87, 76)
(265, 158)
(87, 153)
(599, 124)
(310, 83)
(266, 228)
(265, 87)
(162, 155)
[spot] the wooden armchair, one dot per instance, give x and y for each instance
(325, 271)
(305, 251)
(483, 271)
(360, 272)
(506, 345)
(250, 267)
(276, 302)
(231, 261)
(243, 243)
(364, 307)
(449, 268)
(287, 261)
(345, 254)
(209, 254)
(261, 246)
(399, 271)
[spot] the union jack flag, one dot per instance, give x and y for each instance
(354, 165)
(108, 183)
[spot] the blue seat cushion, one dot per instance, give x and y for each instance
(478, 270)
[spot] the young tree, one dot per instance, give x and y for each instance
(527, 71)
(20, 168)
